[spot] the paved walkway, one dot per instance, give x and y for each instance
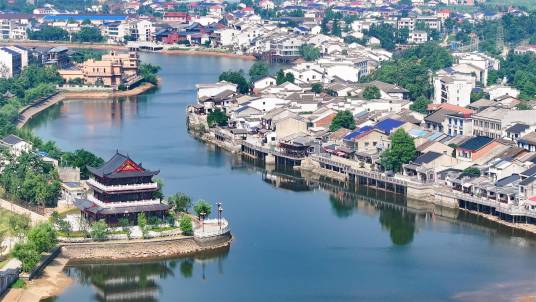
(51, 283)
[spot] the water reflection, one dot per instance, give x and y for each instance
(95, 112)
(140, 281)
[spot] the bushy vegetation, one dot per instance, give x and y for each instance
(201, 206)
(30, 179)
(402, 151)
(309, 52)
(41, 238)
(148, 72)
(411, 69)
(217, 117)
(87, 33)
(236, 77)
(520, 71)
(82, 159)
(343, 119)
(180, 202)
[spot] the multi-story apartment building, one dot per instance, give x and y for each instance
(10, 63)
(453, 88)
(492, 122)
(417, 37)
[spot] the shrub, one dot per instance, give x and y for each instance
(99, 230)
(43, 236)
(185, 224)
(202, 207)
(27, 254)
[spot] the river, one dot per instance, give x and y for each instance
(296, 238)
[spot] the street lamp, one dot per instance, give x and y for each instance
(220, 210)
(219, 213)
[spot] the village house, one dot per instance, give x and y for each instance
(15, 144)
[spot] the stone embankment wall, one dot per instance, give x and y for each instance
(142, 249)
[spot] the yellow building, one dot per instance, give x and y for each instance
(110, 71)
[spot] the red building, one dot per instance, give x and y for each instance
(121, 188)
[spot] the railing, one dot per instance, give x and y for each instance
(119, 204)
(510, 209)
(212, 229)
(358, 172)
(113, 188)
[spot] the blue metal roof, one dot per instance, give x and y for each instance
(357, 132)
(387, 125)
(64, 17)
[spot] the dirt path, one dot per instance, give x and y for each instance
(51, 283)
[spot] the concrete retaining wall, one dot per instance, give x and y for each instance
(141, 249)
(7, 277)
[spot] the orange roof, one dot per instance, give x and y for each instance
(435, 107)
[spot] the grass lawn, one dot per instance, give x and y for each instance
(4, 262)
(164, 228)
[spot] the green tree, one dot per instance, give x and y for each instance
(523, 106)
(371, 93)
(280, 77)
(471, 171)
(316, 88)
(258, 70)
(27, 254)
(236, 77)
(64, 227)
(43, 236)
(89, 34)
(289, 77)
(143, 224)
(420, 105)
(475, 96)
(309, 52)
(49, 33)
(336, 28)
(217, 117)
(402, 151)
(201, 206)
(180, 201)
(99, 230)
(343, 119)
(18, 225)
(185, 223)
(148, 72)
(81, 159)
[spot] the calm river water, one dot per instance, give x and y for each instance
(296, 239)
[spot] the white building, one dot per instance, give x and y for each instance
(453, 88)
(264, 83)
(15, 144)
(10, 63)
(496, 91)
(418, 37)
(210, 90)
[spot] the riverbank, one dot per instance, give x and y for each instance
(53, 281)
(424, 193)
(207, 53)
(104, 46)
(29, 112)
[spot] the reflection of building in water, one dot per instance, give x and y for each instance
(287, 180)
(124, 282)
(107, 112)
(139, 282)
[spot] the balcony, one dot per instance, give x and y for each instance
(120, 204)
(118, 188)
